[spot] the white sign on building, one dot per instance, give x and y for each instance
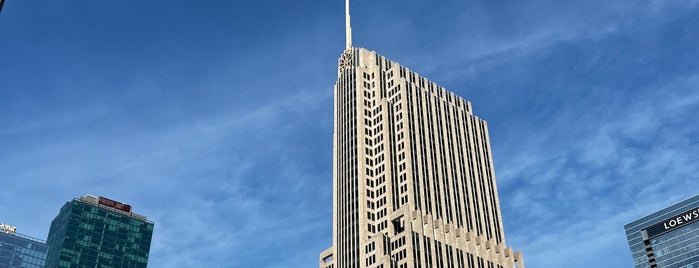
(8, 229)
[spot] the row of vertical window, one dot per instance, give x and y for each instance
(449, 166)
(455, 258)
(348, 210)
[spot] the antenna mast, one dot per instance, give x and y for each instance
(348, 28)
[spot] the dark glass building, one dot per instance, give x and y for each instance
(95, 231)
(17, 250)
(668, 238)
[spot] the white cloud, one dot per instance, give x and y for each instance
(608, 171)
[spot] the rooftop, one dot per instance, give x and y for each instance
(15, 234)
(111, 205)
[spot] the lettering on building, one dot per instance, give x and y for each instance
(673, 223)
(114, 204)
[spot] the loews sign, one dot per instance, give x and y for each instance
(673, 223)
(8, 229)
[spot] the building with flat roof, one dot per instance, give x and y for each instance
(18, 250)
(668, 238)
(93, 231)
(413, 177)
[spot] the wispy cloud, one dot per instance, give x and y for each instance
(220, 182)
(605, 168)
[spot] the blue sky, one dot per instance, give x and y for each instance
(214, 118)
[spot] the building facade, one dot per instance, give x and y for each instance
(95, 231)
(17, 250)
(668, 238)
(413, 177)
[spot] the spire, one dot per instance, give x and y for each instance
(348, 28)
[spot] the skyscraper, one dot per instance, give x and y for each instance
(668, 238)
(413, 178)
(95, 231)
(17, 250)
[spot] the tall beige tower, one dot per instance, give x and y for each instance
(413, 178)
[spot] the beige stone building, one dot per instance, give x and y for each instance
(413, 178)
